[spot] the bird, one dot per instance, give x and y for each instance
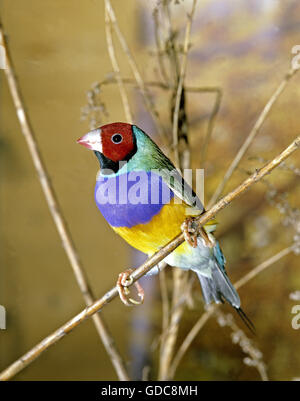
(145, 200)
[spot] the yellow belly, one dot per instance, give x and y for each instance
(161, 229)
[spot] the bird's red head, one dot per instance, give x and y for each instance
(115, 141)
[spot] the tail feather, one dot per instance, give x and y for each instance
(209, 290)
(246, 320)
(218, 288)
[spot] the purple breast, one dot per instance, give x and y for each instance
(131, 198)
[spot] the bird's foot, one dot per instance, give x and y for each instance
(123, 282)
(189, 228)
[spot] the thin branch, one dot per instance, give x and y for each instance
(180, 82)
(210, 127)
(57, 335)
(169, 42)
(57, 213)
(190, 338)
(206, 315)
(164, 299)
(169, 338)
(261, 119)
(262, 266)
(115, 65)
(240, 338)
(160, 59)
(161, 85)
(182, 160)
(190, 89)
(148, 101)
(181, 299)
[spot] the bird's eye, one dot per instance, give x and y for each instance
(117, 138)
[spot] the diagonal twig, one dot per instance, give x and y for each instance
(115, 65)
(211, 124)
(137, 75)
(180, 82)
(253, 355)
(206, 315)
(57, 213)
(159, 47)
(89, 311)
(261, 119)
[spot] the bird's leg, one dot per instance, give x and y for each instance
(189, 228)
(123, 282)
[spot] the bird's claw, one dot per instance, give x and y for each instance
(189, 229)
(123, 282)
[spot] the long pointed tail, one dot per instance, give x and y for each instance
(218, 288)
(246, 320)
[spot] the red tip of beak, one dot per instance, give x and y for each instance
(83, 141)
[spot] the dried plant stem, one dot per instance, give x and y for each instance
(169, 337)
(240, 338)
(57, 214)
(206, 315)
(162, 85)
(211, 124)
(148, 101)
(115, 65)
(262, 266)
(181, 299)
(159, 48)
(164, 299)
(180, 82)
(182, 160)
(36, 351)
(190, 338)
(190, 89)
(170, 49)
(262, 117)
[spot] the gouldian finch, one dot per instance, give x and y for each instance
(146, 201)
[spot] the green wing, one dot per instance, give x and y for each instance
(154, 159)
(174, 180)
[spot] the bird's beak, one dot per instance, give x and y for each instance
(92, 140)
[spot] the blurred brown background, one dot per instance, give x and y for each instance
(59, 51)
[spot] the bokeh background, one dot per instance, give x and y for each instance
(59, 51)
